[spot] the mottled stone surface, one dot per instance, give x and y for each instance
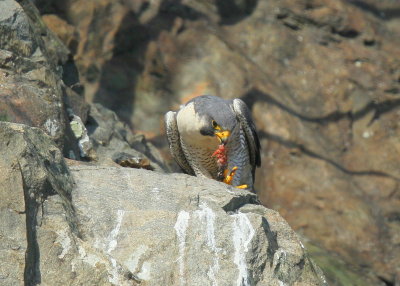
(32, 91)
(112, 139)
(322, 79)
(97, 225)
(181, 230)
(39, 237)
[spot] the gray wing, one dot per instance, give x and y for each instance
(247, 124)
(174, 142)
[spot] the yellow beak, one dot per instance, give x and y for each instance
(222, 136)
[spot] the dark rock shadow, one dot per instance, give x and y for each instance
(119, 76)
(70, 76)
(379, 108)
(310, 153)
(32, 275)
(383, 14)
(272, 240)
(232, 12)
(52, 7)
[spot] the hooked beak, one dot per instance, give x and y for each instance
(223, 136)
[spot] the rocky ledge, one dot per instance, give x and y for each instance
(97, 225)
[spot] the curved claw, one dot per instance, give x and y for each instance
(228, 178)
(229, 175)
(242, 187)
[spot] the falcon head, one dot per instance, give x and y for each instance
(221, 133)
(208, 118)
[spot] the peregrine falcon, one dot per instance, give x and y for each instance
(201, 125)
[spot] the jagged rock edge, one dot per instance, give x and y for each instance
(236, 203)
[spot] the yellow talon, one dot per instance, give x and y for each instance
(229, 178)
(242, 187)
(229, 175)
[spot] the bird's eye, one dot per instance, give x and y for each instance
(214, 124)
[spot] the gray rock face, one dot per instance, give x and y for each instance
(31, 84)
(112, 138)
(182, 230)
(38, 218)
(120, 226)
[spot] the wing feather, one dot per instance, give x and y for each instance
(247, 124)
(174, 142)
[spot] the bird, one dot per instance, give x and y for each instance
(205, 123)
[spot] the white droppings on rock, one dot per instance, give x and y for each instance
(51, 126)
(114, 233)
(324, 280)
(207, 216)
(65, 242)
(113, 273)
(113, 269)
(367, 134)
(358, 63)
(88, 258)
(180, 227)
(156, 193)
(84, 140)
(243, 233)
(144, 274)
(84, 145)
(133, 261)
(279, 257)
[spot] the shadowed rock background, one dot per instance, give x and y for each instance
(322, 78)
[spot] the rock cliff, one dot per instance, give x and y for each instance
(322, 78)
(98, 225)
(31, 89)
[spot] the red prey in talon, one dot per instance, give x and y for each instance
(222, 161)
(224, 175)
(220, 153)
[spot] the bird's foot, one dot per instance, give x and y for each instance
(242, 187)
(228, 175)
(228, 178)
